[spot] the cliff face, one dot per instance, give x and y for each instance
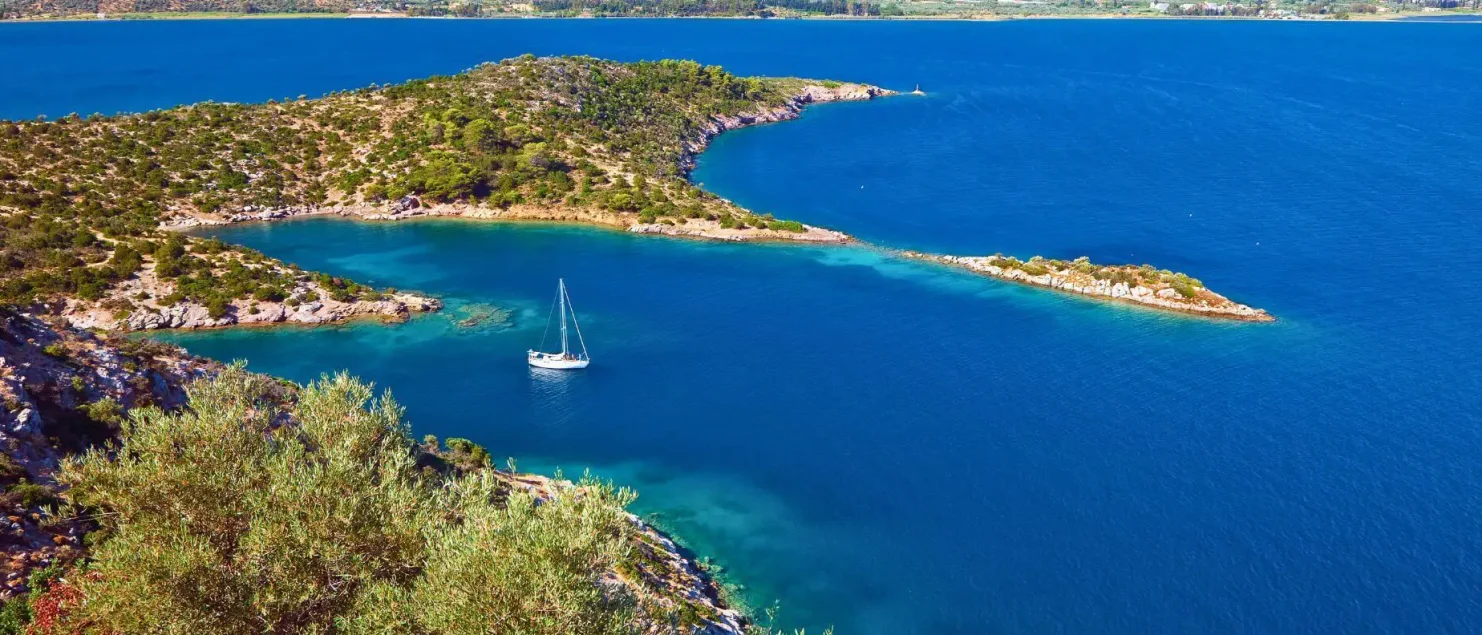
(804, 95)
(63, 390)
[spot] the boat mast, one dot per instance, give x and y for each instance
(581, 340)
(564, 349)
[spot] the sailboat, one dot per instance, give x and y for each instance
(563, 360)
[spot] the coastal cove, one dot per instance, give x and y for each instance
(896, 447)
(761, 532)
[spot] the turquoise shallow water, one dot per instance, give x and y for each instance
(896, 448)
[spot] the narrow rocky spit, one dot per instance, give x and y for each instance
(138, 304)
(1143, 286)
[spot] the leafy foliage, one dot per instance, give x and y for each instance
(14, 615)
(26, 494)
(467, 454)
(242, 515)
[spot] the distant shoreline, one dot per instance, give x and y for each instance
(1433, 17)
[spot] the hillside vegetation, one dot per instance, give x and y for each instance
(226, 519)
(82, 198)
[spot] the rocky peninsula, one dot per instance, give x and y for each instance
(147, 302)
(1142, 285)
(720, 219)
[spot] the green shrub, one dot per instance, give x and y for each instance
(15, 614)
(1034, 268)
(42, 578)
(268, 294)
(9, 469)
(27, 494)
(327, 525)
(467, 453)
(105, 410)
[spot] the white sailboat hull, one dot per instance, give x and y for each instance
(556, 361)
(563, 360)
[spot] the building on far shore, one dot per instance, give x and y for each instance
(376, 13)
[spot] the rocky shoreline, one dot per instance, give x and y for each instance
(809, 94)
(143, 303)
(702, 229)
(664, 574)
(711, 230)
(1121, 284)
(394, 307)
(1142, 286)
(410, 207)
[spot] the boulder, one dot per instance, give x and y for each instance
(405, 203)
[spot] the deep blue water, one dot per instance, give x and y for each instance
(895, 448)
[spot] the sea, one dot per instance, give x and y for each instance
(889, 447)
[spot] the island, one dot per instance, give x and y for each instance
(92, 205)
